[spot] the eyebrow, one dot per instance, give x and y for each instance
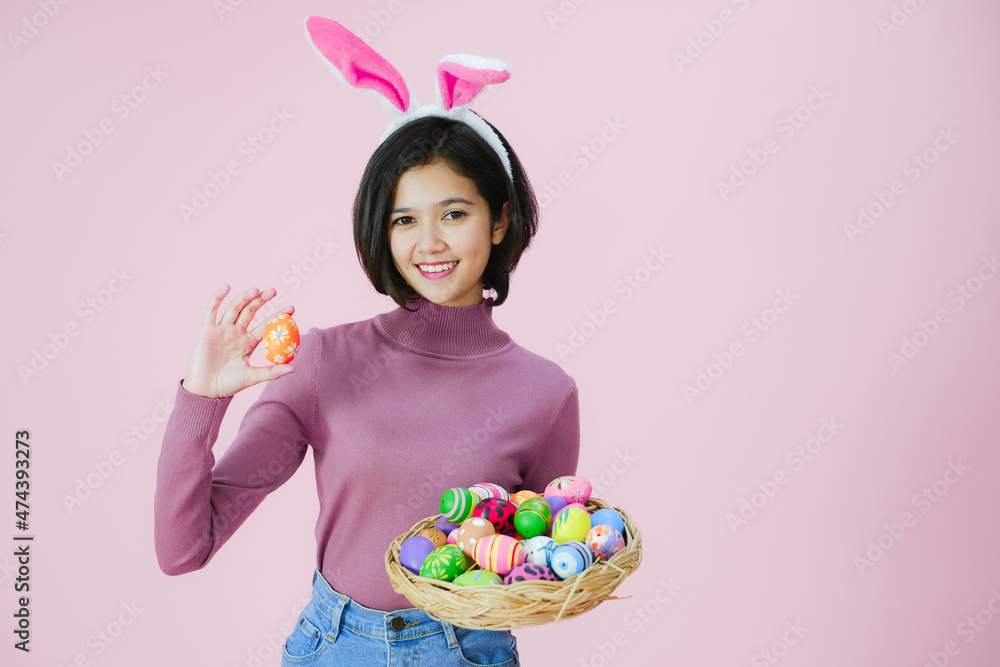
(440, 204)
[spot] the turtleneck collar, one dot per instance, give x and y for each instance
(455, 331)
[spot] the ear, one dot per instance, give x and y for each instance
(355, 63)
(500, 226)
(462, 76)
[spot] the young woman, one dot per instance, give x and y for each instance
(396, 409)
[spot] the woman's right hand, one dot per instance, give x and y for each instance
(219, 366)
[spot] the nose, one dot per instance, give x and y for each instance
(429, 239)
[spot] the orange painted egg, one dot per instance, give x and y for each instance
(522, 495)
(437, 538)
(281, 339)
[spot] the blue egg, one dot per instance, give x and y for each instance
(571, 558)
(608, 517)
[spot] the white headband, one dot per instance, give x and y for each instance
(460, 78)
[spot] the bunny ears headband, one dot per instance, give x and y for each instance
(460, 78)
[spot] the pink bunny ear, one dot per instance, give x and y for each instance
(355, 63)
(462, 76)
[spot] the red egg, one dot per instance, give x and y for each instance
(498, 512)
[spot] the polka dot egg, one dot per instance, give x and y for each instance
(471, 531)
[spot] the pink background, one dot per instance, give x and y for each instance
(710, 591)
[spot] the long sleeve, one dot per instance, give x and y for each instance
(559, 450)
(199, 504)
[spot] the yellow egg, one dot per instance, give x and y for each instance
(281, 339)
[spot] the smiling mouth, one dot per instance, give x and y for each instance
(437, 267)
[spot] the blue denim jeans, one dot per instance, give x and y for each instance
(333, 629)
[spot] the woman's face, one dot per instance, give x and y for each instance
(440, 234)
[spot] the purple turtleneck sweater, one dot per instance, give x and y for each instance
(397, 409)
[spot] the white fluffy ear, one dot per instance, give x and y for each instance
(462, 76)
(357, 64)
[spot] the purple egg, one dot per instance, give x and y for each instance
(556, 503)
(413, 551)
(445, 526)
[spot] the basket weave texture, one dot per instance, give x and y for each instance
(524, 603)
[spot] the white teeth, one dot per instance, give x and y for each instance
(437, 268)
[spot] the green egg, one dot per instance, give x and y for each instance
(444, 563)
(533, 517)
(478, 578)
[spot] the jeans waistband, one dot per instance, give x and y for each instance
(352, 615)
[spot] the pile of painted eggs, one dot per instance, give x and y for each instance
(486, 536)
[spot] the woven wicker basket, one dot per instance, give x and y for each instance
(522, 604)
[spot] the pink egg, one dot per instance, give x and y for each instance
(453, 537)
(498, 553)
(530, 572)
(486, 490)
(573, 489)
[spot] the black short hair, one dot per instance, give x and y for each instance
(422, 142)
